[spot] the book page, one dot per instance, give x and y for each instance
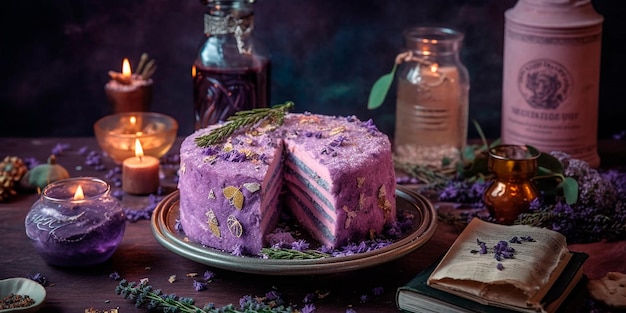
(523, 276)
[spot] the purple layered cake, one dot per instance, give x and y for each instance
(335, 174)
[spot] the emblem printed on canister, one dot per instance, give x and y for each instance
(544, 83)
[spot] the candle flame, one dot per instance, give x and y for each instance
(138, 149)
(126, 72)
(133, 120)
(434, 67)
(193, 71)
(79, 195)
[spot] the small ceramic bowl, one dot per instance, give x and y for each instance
(116, 134)
(23, 287)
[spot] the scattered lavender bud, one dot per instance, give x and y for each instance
(364, 298)
(199, 285)
(377, 291)
(309, 298)
(115, 276)
(308, 308)
(59, 148)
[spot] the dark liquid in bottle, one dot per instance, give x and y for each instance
(219, 93)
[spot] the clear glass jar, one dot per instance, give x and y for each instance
(68, 229)
(432, 98)
(512, 189)
(232, 70)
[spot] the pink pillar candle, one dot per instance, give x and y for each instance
(140, 174)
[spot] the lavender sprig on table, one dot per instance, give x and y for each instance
(599, 213)
(145, 295)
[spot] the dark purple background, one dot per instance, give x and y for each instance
(326, 54)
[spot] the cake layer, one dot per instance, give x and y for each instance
(339, 176)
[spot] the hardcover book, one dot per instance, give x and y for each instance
(529, 271)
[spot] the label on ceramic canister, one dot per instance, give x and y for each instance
(551, 83)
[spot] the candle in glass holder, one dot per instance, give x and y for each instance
(432, 99)
(76, 222)
(116, 134)
(140, 174)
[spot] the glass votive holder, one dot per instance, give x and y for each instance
(76, 222)
(512, 190)
(116, 134)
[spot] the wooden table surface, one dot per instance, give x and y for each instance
(141, 256)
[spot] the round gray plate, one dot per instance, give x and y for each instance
(425, 223)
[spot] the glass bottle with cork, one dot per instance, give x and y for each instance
(232, 70)
(432, 98)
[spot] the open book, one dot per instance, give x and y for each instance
(512, 267)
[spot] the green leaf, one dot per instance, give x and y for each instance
(379, 90)
(469, 154)
(570, 190)
(549, 165)
(479, 167)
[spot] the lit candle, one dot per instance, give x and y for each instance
(126, 72)
(79, 194)
(131, 91)
(140, 174)
(76, 222)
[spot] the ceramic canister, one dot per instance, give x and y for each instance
(551, 77)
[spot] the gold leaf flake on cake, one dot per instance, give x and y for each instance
(234, 226)
(362, 200)
(211, 194)
(213, 223)
(248, 153)
(309, 119)
(234, 196)
(382, 192)
(349, 217)
(253, 133)
(228, 147)
(387, 208)
(337, 130)
(252, 187)
(383, 202)
(360, 181)
(210, 159)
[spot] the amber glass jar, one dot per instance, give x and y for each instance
(512, 189)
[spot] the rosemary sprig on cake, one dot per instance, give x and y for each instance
(245, 119)
(292, 254)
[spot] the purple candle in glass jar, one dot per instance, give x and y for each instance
(76, 222)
